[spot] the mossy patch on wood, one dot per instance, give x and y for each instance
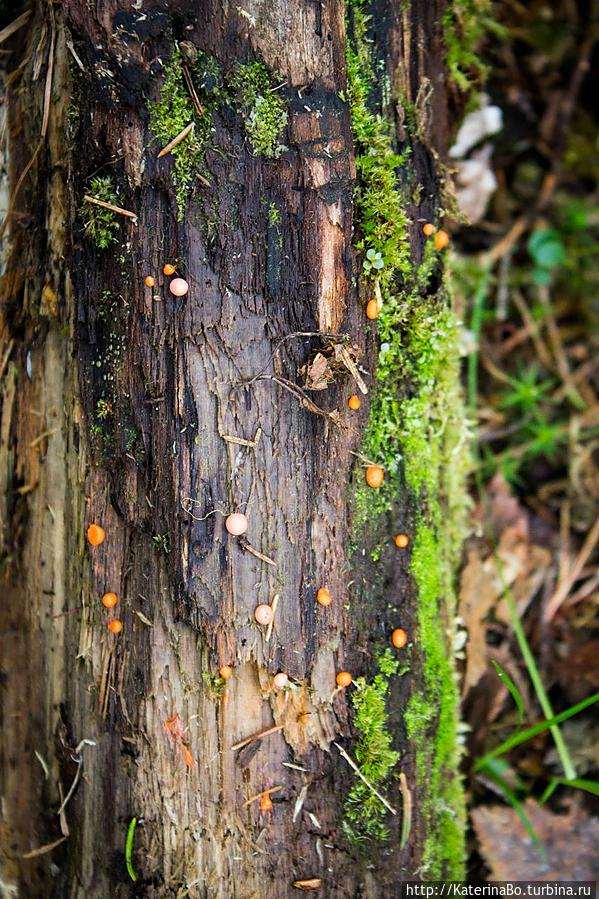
(418, 432)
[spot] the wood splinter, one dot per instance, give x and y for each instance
(255, 552)
(273, 605)
(176, 140)
(312, 884)
(260, 795)
(263, 733)
(361, 776)
(104, 205)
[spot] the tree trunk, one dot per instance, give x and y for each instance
(124, 405)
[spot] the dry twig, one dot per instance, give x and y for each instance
(258, 736)
(353, 765)
(110, 206)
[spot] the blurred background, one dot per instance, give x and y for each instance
(525, 280)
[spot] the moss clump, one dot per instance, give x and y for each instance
(173, 112)
(251, 92)
(247, 88)
(378, 199)
(465, 24)
(101, 225)
(364, 813)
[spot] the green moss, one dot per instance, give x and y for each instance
(465, 24)
(169, 116)
(251, 92)
(101, 225)
(418, 432)
(364, 813)
(247, 88)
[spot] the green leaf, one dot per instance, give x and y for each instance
(513, 690)
(546, 248)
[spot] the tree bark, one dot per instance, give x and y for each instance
(181, 376)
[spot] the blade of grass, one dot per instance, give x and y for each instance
(535, 677)
(530, 732)
(129, 848)
(475, 326)
(590, 786)
(513, 690)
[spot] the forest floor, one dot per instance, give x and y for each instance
(525, 279)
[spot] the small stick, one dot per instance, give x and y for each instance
(565, 585)
(273, 605)
(406, 823)
(260, 795)
(43, 849)
(192, 91)
(6, 33)
(68, 612)
(313, 884)
(43, 435)
(110, 206)
(361, 776)
(176, 140)
(263, 733)
(255, 552)
(295, 767)
(240, 440)
(204, 181)
(353, 370)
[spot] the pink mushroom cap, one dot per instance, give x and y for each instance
(178, 287)
(236, 524)
(280, 680)
(263, 614)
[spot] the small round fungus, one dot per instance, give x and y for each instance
(263, 614)
(374, 475)
(399, 637)
(115, 626)
(95, 534)
(236, 524)
(344, 678)
(178, 287)
(109, 600)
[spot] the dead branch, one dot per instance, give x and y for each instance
(258, 736)
(361, 776)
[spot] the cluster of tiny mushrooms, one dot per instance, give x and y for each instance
(237, 524)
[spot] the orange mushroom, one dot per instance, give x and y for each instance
(265, 803)
(441, 239)
(428, 229)
(354, 402)
(95, 534)
(150, 281)
(324, 597)
(374, 475)
(372, 309)
(399, 637)
(225, 672)
(115, 626)
(169, 269)
(344, 678)
(402, 540)
(109, 600)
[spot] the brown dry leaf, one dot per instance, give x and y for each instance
(523, 568)
(317, 374)
(570, 842)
